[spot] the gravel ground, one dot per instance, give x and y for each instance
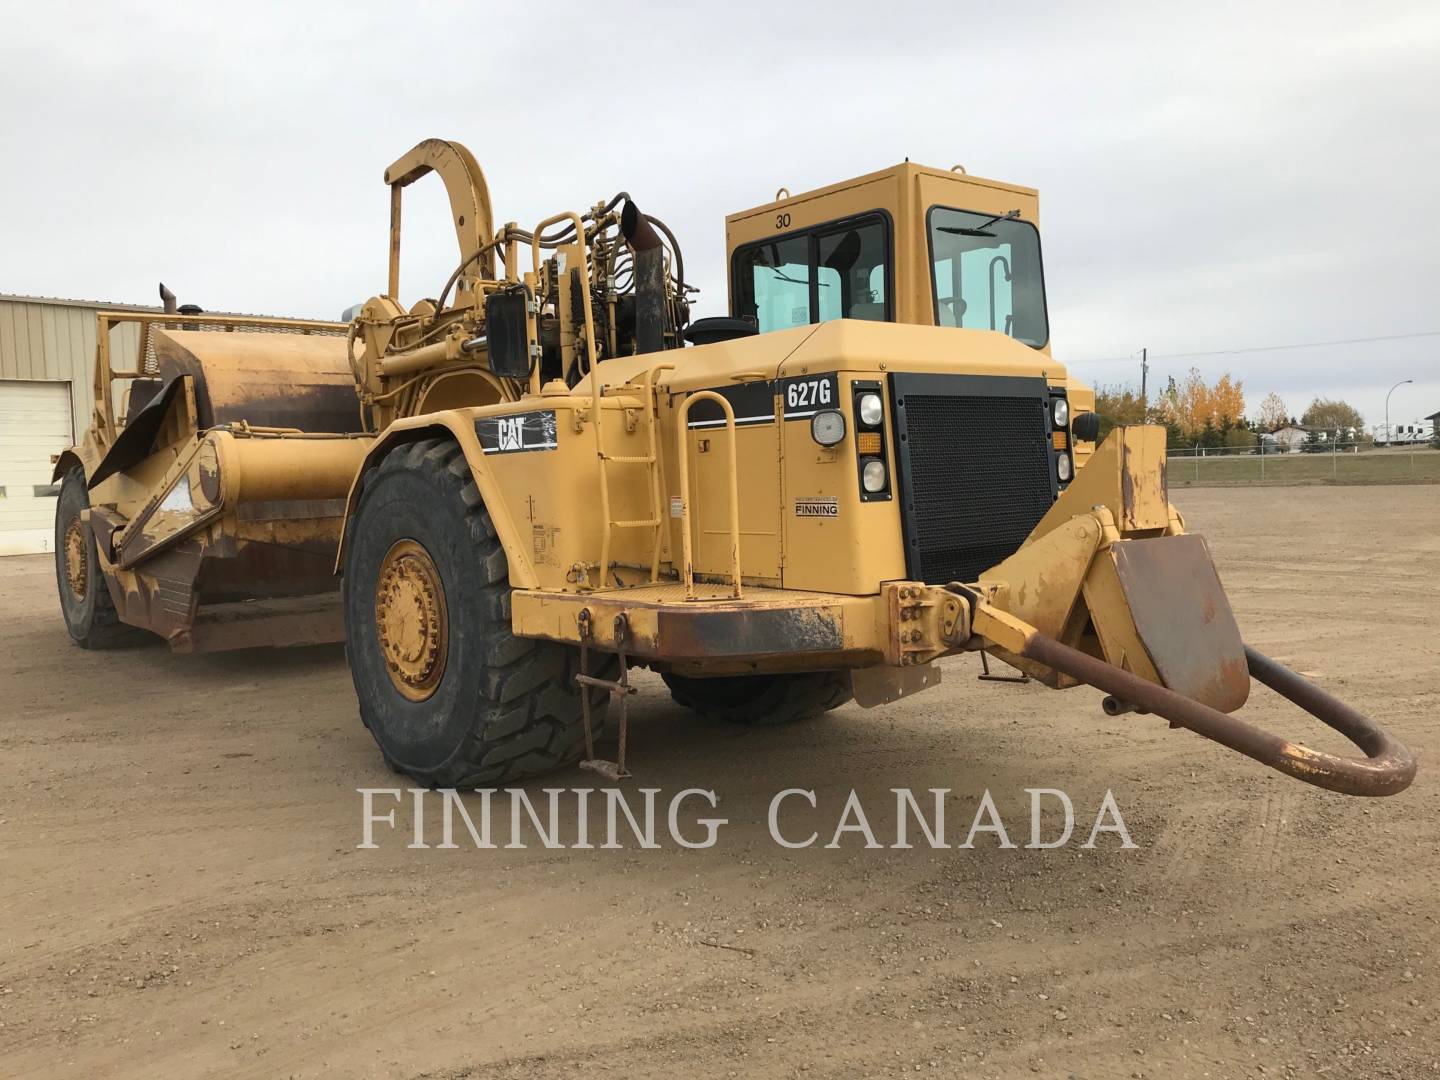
(182, 893)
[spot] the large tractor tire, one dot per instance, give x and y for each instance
(762, 700)
(85, 600)
(452, 697)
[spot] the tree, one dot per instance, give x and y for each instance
(1331, 415)
(1192, 402)
(1227, 399)
(1196, 404)
(1209, 436)
(1241, 437)
(1272, 413)
(1117, 405)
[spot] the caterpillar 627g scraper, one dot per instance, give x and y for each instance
(552, 475)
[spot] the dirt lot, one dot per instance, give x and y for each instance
(181, 894)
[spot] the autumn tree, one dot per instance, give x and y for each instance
(1332, 415)
(1198, 405)
(1227, 400)
(1192, 400)
(1272, 413)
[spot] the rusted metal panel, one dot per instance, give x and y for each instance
(771, 629)
(749, 632)
(291, 510)
(272, 624)
(272, 380)
(1183, 618)
(883, 684)
(1144, 500)
(1041, 582)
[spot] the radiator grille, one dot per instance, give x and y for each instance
(977, 479)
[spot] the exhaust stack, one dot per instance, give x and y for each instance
(649, 278)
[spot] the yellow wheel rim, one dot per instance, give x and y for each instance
(77, 568)
(411, 620)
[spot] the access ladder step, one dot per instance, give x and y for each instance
(605, 684)
(608, 769)
(630, 459)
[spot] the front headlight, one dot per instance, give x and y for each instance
(871, 410)
(872, 476)
(827, 428)
(1061, 412)
(1062, 466)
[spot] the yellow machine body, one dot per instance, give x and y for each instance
(216, 490)
(873, 462)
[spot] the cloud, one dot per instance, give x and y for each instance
(1211, 177)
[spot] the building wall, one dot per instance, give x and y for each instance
(45, 340)
(1291, 438)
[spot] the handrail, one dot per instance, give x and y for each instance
(105, 373)
(652, 422)
(682, 451)
(213, 319)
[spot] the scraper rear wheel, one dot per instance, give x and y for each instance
(85, 603)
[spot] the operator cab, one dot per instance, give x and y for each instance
(908, 244)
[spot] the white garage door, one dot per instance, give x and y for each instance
(34, 423)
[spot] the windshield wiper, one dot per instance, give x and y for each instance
(980, 229)
(795, 281)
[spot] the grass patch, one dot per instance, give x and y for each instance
(1371, 467)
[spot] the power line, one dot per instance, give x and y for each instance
(1264, 348)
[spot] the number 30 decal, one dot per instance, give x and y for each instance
(782, 221)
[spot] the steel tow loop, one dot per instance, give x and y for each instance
(1387, 768)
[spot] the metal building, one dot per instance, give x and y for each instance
(47, 356)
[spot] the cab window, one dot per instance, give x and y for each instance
(835, 271)
(986, 274)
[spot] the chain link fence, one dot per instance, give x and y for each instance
(1336, 463)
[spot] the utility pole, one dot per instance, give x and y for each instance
(1144, 372)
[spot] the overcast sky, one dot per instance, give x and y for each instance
(1212, 176)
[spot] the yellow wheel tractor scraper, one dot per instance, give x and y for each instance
(547, 473)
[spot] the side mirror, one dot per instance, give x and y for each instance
(1085, 426)
(505, 335)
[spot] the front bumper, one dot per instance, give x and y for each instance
(768, 630)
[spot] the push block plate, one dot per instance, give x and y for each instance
(1183, 618)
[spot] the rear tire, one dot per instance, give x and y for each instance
(762, 700)
(460, 701)
(85, 601)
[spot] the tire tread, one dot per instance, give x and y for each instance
(530, 721)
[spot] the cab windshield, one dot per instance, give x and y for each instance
(985, 274)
